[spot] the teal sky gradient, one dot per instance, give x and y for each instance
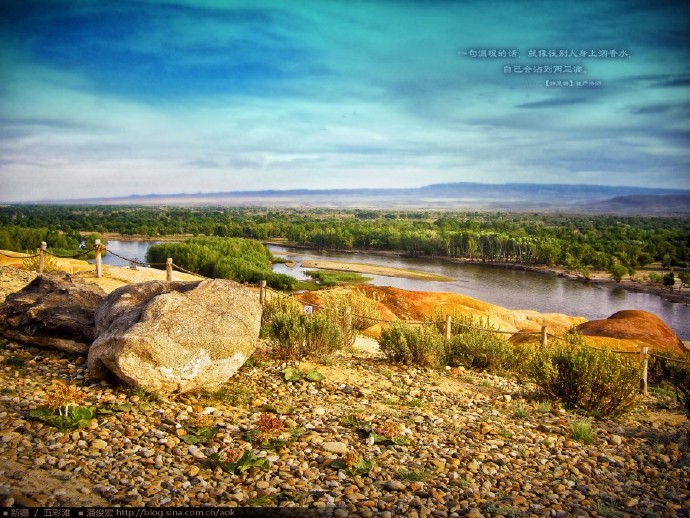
(105, 98)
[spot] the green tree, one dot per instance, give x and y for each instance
(617, 272)
(669, 280)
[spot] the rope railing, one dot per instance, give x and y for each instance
(98, 248)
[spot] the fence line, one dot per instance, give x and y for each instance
(98, 248)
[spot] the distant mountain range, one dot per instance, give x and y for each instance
(448, 196)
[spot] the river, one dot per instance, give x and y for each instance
(512, 289)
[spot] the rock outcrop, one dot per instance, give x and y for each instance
(632, 328)
(54, 310)
(175, 337)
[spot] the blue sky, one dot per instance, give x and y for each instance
(101, 98)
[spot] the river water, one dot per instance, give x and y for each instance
(512, 289)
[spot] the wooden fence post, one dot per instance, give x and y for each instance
(97, 248)
(168, 269)
(644, 364)
(544, 337)
(42, 255)
(262, 292)
(449, 325)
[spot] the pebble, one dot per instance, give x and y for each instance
(474, 456)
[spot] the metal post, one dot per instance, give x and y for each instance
(168, 269)
(544, 337)
(645, 365)
(262, 292)
(97, 248)
(41, 257)
(449, 322)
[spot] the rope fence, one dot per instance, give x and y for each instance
(99, 249)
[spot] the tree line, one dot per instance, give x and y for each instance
(616, 243)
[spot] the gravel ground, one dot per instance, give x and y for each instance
(450, 443)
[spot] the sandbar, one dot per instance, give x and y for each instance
(387, 271)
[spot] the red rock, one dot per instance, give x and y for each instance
(636, 325)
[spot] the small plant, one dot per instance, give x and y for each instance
(268, 426)
(388, 433)
(679, 376)
(581, 431)
(403, 343)
(147, 396)
(292, 374)
(353, 464)
(413, 476)
(476, 347)
(235, 462)
(237, 396)
(544, 407)
(62, 408)
(199, 430)
(520, 410)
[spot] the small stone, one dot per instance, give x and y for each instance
(335, 447)
(616, 440)
(394, 485)
(98, 444)
(192, 471)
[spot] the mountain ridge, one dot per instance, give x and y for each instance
(443, 196)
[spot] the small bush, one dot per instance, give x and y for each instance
(405, 344)
(295, 336)
(679, 376)
(276, 304)
(581, 377)
(350, 310)
(481, 350)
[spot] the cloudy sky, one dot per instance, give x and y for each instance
(102, 98)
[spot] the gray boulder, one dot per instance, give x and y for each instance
(175, 336)
(55, 310)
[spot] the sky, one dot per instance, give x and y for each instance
(103, 99)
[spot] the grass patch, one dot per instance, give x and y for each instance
(333, 278)
(520, 410)
(414, 475)
(581, 430)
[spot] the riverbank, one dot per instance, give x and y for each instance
(597, 277)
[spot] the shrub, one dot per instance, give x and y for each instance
(287, 334)
(279, 304)
(406, 344)
(350, 310)
(679, 376)
(295, 335)
(581, 377)
(481, 350)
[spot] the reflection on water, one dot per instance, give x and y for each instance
(513, 289)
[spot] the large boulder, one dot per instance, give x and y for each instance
(175, 336)
(632, 328)
(55, 310)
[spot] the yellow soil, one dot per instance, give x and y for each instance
(113, 277)
(386, 271)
